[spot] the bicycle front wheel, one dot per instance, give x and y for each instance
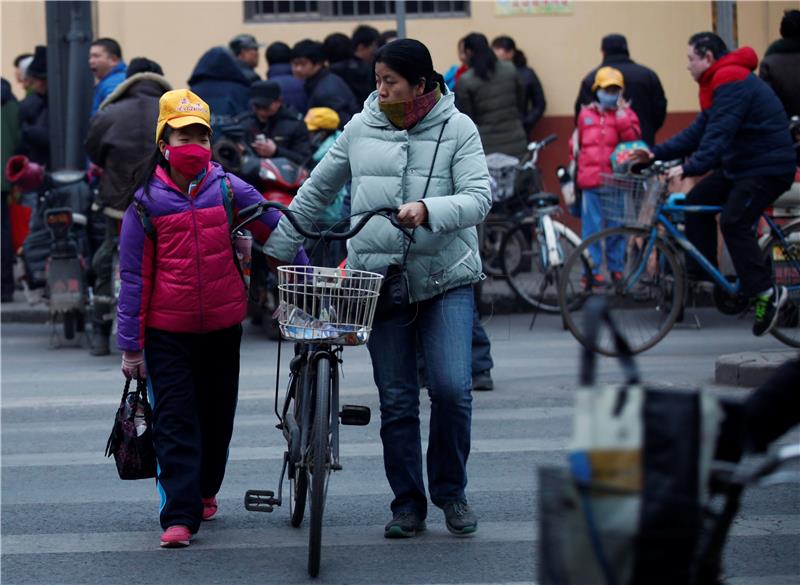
(320, 458)
(298, 474)
(783, 256)
(528, 269)
(643, 286)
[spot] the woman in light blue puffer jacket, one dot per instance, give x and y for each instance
(388, 152)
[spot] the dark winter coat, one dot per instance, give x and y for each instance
(293, 90)
(328, 90)
(742, 125)
(495, 106)
(780, 68)
(9, 129)
(287, 129)
(34, 128)
(358, 76)
(642, 89)
(535, 103)
(121, 135)
(219, 81)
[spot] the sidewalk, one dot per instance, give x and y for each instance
(19, 311)
(750, 369)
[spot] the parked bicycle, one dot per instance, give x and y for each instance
(534, 270)
(514, 184)
(322, 310)
(648, 296)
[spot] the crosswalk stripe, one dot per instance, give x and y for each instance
(271, 536)
(375, 449)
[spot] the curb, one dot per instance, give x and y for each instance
(750, 369)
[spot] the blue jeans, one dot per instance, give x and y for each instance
(592, 221)
(443, 326)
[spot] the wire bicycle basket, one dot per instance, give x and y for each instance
(502, 175)
(326, 305)
(631, 200)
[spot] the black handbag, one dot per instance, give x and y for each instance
(131, 439)
(394, 289)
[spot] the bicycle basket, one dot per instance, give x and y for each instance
(326, 305)
(630, 200)
(502, 175)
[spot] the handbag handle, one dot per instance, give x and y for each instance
(596, 312)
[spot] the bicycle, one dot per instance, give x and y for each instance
(323, 310)
(514, 183)
(534, 272)
(648, 293)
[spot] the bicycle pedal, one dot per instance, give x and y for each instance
(352, 414)
(260, 500)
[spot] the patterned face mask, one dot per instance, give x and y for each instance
(407, 113)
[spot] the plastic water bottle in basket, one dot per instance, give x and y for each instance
(326, 305)
(630, 200)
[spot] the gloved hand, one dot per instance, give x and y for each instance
(133, 365)
(23, 173)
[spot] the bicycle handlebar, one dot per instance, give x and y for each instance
(534, 146)
(255, 211)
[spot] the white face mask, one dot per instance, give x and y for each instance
(607, 100)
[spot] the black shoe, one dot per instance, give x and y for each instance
(767, 309)
(404, 525)
(459, 518)
(482, 381)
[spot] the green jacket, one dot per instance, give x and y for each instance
(496, 107)
(389, 167)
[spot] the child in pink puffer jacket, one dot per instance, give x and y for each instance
(602, 125)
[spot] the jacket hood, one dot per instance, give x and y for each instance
(735, 66)
(444, 109)
(218, 64)
(133, 87)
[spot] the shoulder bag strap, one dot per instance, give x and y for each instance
(427, 184)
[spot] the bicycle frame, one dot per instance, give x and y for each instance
(662, 219)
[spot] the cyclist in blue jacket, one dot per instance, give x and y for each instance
(740, 141)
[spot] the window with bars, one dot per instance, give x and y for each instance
(270, 10)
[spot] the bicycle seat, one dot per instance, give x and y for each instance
(539, 200)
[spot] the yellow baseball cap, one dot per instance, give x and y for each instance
(608, 76)
(321, 119)
(180, 108)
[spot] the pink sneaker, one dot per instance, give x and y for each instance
(176, 537)
(209, 508)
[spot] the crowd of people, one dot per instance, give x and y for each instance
(382, 129)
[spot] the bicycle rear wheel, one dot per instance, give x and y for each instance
(645, 298)
(526, 268)
(320, 458)
(784, 260)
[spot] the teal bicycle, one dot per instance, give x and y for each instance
(647, 293)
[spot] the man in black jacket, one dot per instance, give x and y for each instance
(34, 126)
(273, 129)
(358, 76)
(245, 49)
(642, 87)
(780, 66)
(119, 139)
(740, 137)
(325, 89)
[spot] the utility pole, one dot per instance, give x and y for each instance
(400, 13)
(724, 19)
(69, 81)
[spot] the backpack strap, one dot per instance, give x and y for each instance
(227, 199)
(144, 217)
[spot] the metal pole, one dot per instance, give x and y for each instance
(77, 39)
(725, 22)
(400, 13)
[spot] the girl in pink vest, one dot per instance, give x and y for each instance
(602, 125)
(181, 303)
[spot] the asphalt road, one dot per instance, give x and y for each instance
(68, 519)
